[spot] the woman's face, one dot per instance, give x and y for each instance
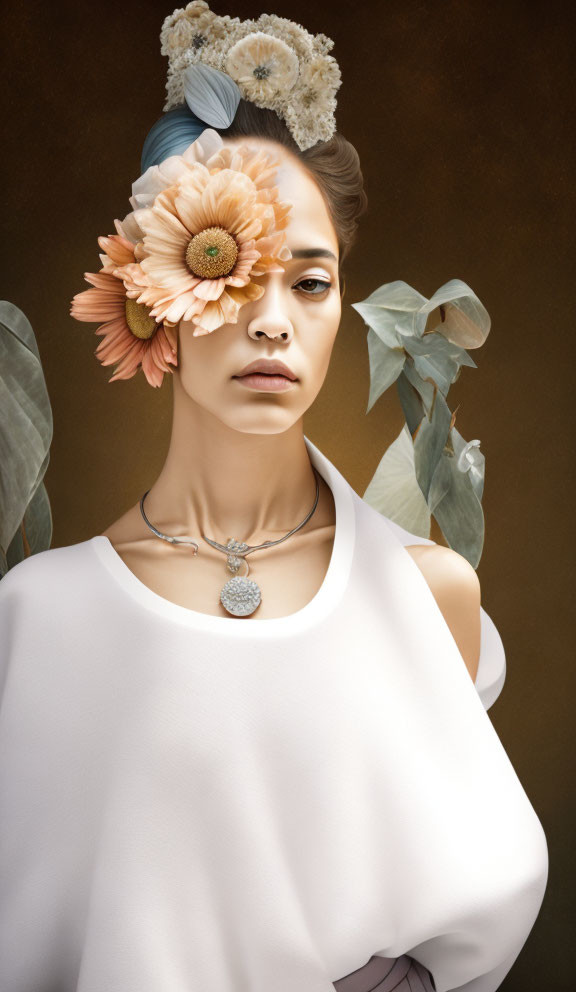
(294, 321)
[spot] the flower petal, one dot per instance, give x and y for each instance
(221, 311)
(210, 185)
(210, 289)
(118, 249)
(246, 294)
(130, 361)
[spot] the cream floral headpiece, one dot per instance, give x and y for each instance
(271, 62)
(204, 225)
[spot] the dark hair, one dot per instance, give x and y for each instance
(333, 164)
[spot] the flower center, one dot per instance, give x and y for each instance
(212, 253)
(139, 320)
(262, 71)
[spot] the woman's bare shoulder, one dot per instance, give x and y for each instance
(127, 529)
(455, 586)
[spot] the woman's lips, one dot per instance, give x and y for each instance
(263, 381)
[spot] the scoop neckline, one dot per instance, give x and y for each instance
(324, 601)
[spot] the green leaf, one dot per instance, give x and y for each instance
(437, 358)
(410, 401)
(458, 509)
(381, 322)
(394, 490)
(386, 365)
(429, 469)
(466, 320)
(429, 442)
(26, 429)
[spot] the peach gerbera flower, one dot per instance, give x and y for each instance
(205, 237)
(130, 335)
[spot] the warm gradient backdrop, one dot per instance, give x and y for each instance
(459, 111)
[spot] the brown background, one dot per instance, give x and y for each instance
(459, 112)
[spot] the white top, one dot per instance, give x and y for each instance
(193, 802)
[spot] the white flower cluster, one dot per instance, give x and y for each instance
(274, 62)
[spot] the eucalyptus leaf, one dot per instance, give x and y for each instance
(426, 390)
(34, 533)
(458, 509)
(398, 297)
(429, 442)
(26, 429)
(410, 402)
(394, 490)
(466, 320)
(439, 359)
(381, 322)
(430, 468)
(469, 459)
(386, 365)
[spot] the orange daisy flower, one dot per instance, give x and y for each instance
(131, 336)
(206, 237)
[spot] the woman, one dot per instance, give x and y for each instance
(238, 462)
(286, 782)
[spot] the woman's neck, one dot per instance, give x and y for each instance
(227, 483)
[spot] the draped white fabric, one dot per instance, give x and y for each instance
(200, 802)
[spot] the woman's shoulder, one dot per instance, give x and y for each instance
(455, 588)
(44, 570)
(126, 529)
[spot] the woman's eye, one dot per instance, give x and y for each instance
(309, 285)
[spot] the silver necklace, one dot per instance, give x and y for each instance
(240, 596)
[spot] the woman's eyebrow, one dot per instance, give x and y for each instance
(313, 253)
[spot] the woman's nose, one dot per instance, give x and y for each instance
(269, 316)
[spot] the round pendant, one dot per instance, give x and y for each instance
(240, 596)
